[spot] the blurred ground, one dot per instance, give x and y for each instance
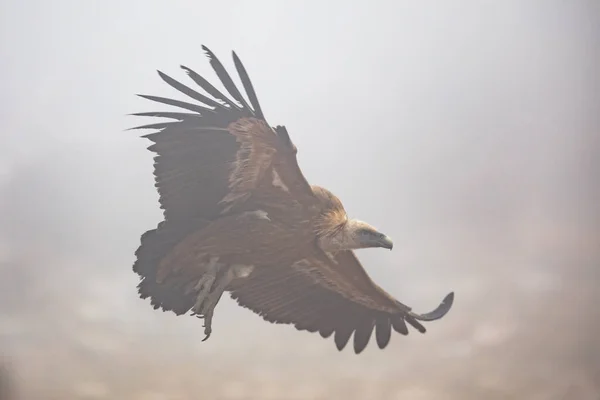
(478, 153)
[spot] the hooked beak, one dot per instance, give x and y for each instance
(369, 237)
(385, 242)
(377, 239)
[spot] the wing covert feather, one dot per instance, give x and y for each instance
(314, 300)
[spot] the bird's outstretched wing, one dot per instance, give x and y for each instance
(221, 151)
(333, 297)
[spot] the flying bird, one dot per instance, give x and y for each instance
(239, 216)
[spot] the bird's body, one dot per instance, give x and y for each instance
(241, 217)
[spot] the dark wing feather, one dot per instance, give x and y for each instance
(198, 152)
(173, 294)
(175, 103)
(188, 91)
(316, 298)
(363, 332)
(164, 114)
(225, 78)
(209, 88)
(248, 87)
(383, 331)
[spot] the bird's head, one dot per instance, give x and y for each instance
(336, 232)
(353, 234)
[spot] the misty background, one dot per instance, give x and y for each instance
(469, 131)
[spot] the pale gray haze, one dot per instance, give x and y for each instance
(469, 131)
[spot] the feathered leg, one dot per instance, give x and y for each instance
(204, 284)
(207, 308)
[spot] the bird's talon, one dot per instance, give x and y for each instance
(207, 332)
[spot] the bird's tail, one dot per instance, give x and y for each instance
(169, 295)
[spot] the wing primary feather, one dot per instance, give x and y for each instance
(159, 125)
(399, 325)
(344, 326)
(383, 331)
(248, 87)
(326, 332)
(151, 136)
(225, 78)
(341, 337)
(363, 333)
(164, 114)
(208, 87)
(188, 91)
(415, 324)
(441, 310)
(177, 103)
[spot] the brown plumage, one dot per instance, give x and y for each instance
(241, 217)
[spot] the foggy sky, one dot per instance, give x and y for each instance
(467, 131)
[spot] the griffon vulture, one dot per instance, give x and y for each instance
(239, 216)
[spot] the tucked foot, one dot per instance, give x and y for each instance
(206, 302)
(208, 324)
(204, 285)
(207, 308)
